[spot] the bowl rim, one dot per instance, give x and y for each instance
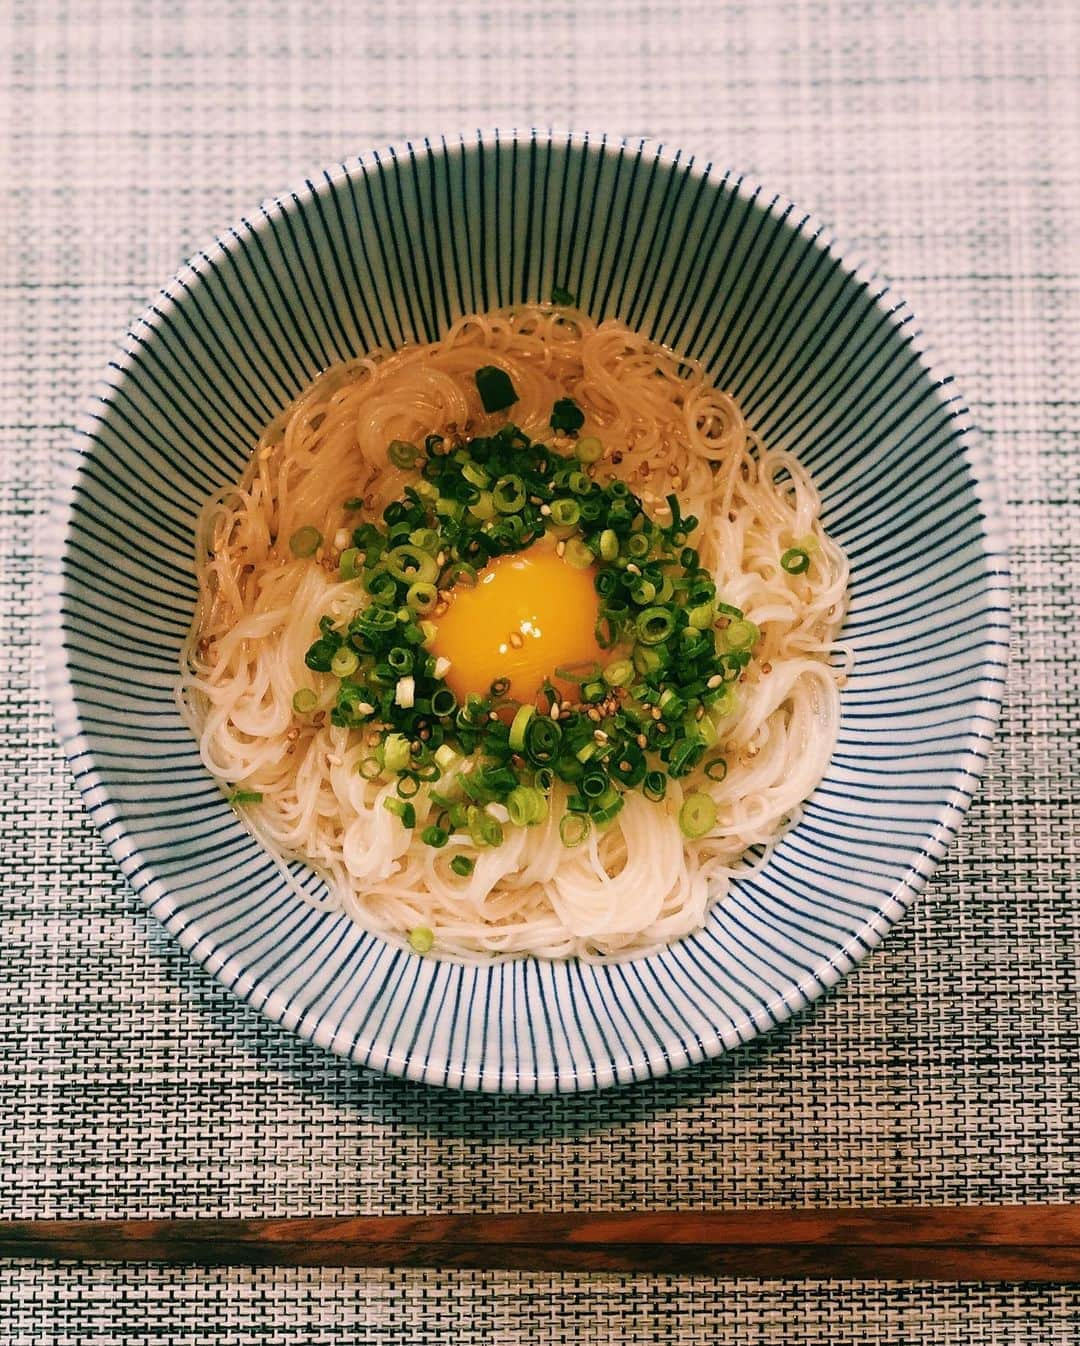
(154, 891)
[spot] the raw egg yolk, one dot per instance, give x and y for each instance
(528, 614)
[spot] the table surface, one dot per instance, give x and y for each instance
(942, 140)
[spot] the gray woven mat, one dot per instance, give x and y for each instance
(943, 140)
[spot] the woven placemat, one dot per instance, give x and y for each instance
(938, 138)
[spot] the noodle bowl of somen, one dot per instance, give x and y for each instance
(661, 428)
(530, 640)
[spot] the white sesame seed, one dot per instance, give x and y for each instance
(545, 510)
(554, 712)
(632, 569)
(715, 680)
(341, 539)
(560, 548)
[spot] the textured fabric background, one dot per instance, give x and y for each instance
(942, 139)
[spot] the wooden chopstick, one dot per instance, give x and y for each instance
(943, 1243)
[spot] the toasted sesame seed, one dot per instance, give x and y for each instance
(655, 712)
(632, 569)
(441, 559)
(493, 714)
(594, 714)
(699, 713)
(560, 548)
(292, 734)
(516, 640)
(642, 741)
(599, 736)
(545, 510)
(554, 712)
(766, 668)
(715, 680)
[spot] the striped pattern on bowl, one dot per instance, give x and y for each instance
(391, 247)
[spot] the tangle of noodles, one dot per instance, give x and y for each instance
(636, 885)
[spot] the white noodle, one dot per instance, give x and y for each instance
(637, 885)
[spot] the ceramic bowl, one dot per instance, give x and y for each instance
(391, 247)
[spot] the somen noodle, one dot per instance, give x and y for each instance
(635, 884)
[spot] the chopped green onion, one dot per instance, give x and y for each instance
(410, 564)
(483, 507)
(246, 797)
(655, 625)
(305, 541)
(702, 616)
(517, 728)
(715, 767)
(508, 494)
(370, 768)
(435, 836)
(400, 809)
(685, 755)
(609, 545)
(462, 866)
(484, 829)
(577, 554)
(304, 701)
(588, 449)
(574, 828)
(542, 739)
(526, 806)
(566, 415)
(495, 389)
(697, 815)
(654, 786)
(402, 454)
(619, 673)
(565, 513)
(561, 296)
(443, 702)
(740, 634)
(396, 752)
(348, 563)
(445, 757)
(344, 663)
(421, 939)
(422, 596)
(795, 561)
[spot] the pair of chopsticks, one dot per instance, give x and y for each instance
(943, 1243)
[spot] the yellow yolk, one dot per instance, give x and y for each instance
(528, 614)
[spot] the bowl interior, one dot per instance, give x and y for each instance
(391, 248)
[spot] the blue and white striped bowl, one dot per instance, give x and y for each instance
(391, 247)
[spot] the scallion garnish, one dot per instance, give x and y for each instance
(421, 939)
(495, 389)
(654, 711)
(697, 815)
(305, 541)
(795, 561)
(567, 415)
(246, 797)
